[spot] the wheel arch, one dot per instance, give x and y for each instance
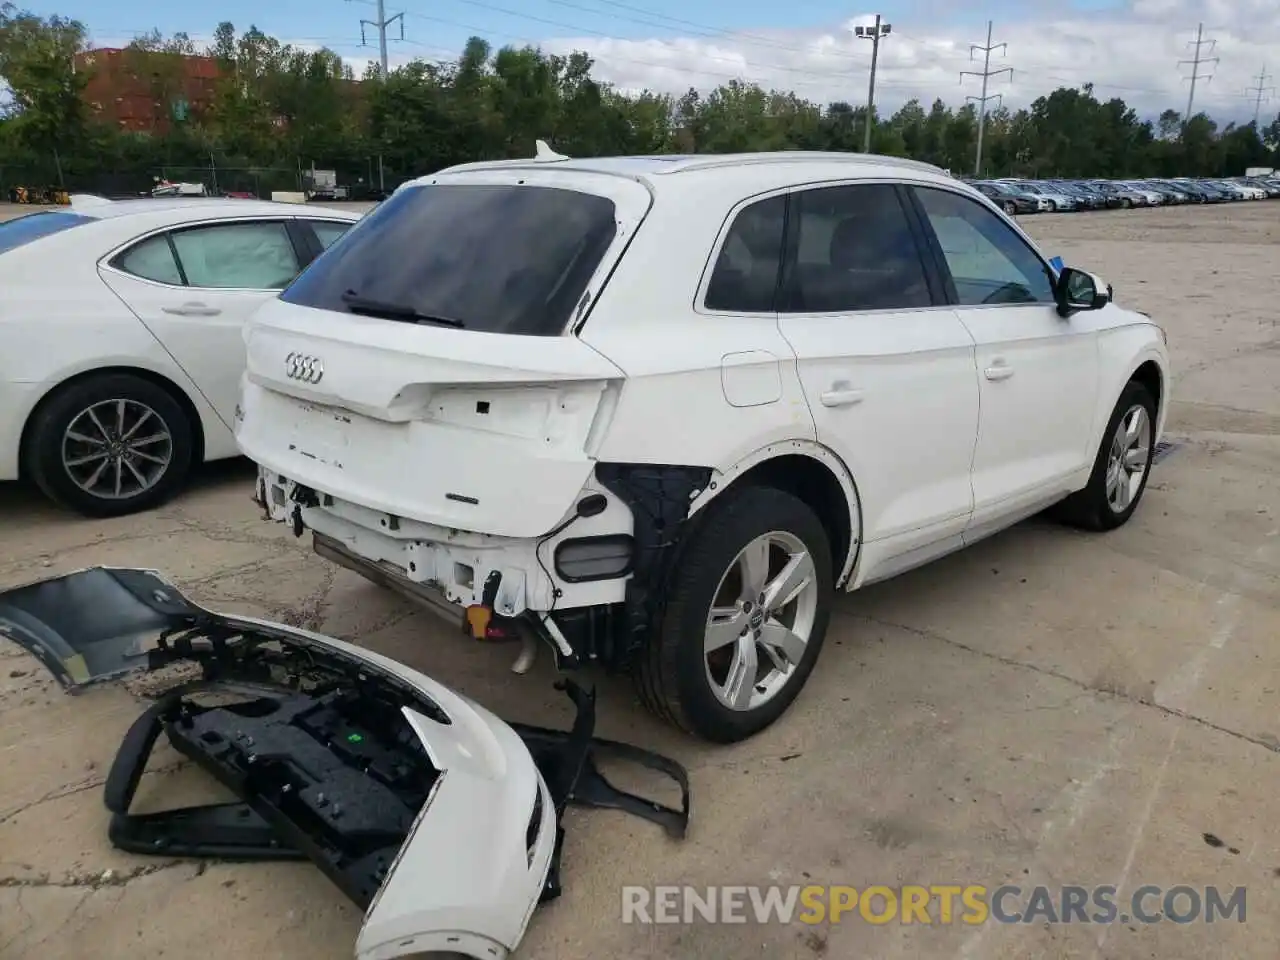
(179, 395)
(814, 475)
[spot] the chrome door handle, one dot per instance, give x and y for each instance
(192, 310)
(998, 372)
(840, 395)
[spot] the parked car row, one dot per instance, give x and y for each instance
(1016, 195)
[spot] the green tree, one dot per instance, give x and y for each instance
(38, 62)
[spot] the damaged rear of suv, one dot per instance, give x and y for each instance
(618, 405)
(467, 399)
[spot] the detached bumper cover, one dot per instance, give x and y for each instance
(434, 816)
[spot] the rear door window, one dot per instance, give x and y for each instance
(853, 249)
(498, 258)
(15, 233)
(244, 256)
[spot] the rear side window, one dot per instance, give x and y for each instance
(152, 259)
(15, 233)
(496, 258)
(745, 279)
(327, 231)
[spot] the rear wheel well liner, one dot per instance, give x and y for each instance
(164, 383)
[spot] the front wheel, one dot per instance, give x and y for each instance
(745, 617)
(1053, 207)
(1010, 209)
(1121, 467)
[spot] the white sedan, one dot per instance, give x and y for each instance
(120, 337)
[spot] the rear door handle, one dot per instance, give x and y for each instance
(840, 395)
(999, 371)
(193, 310)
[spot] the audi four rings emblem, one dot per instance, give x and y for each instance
(298, 366)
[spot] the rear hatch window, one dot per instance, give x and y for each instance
(495, 258)
(15, 233)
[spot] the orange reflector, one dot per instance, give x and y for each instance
(478, 618)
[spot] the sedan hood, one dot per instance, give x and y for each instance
(433, 815)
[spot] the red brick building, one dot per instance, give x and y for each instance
(147, 91)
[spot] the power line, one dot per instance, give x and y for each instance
(381, 25)
(1262, 91)
(986, 74)
(875, 34)
(1195, 62)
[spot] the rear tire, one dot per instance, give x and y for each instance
(1010, 208)
(108, 445)
(1121, 467)
(762, 651)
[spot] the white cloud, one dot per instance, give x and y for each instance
(1132, 54)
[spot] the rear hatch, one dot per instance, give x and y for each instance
(424, 366)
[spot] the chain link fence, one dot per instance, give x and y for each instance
(53, 182)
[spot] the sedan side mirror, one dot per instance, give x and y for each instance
(1076, 290)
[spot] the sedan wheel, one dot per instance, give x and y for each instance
(116, 449)
(109, 444)
(1010, 208)
(745, 616)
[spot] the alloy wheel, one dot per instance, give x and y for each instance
(761, 621)
(1127, 461)
(116, 449)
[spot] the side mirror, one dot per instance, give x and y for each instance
(1076, 291)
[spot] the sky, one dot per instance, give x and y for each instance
(1126, 48)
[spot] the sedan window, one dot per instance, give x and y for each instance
(152, 259)
(327, 231)
(988, 261)
(22, 230)
(248, 256)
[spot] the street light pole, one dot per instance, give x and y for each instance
(874, 34)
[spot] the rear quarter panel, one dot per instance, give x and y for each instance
(673, 406)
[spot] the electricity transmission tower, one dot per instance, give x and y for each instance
(1262, 92)
(874, 34)
(1195, 62)
(986, 74)
(381, 25)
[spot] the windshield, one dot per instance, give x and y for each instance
(498, 258)
(14, 233)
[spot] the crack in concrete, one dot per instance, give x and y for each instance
(81, 786)
(1268, 744)
(91, 881)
